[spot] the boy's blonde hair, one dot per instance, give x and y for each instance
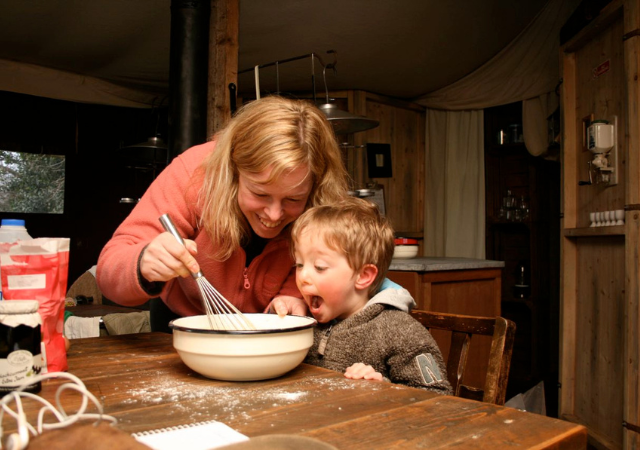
(276, 133)
(355, 228)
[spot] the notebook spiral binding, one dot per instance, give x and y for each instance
(203, 435)
(174, 428)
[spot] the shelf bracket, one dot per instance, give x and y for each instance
(630, 426)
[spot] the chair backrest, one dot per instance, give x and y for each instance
(86, 286)
(463, 328)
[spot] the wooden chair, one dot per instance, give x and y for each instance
(86, 287)
(463, 328)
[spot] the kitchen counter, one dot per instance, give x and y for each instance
(439, 264)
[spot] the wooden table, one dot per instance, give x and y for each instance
(142, 381)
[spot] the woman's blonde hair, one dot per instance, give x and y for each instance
(355, 228)
(276, 133)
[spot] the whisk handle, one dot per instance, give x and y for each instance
(168, 225)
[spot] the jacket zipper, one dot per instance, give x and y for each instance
(323, 341)
(245, 274)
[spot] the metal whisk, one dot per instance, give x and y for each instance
(221, 313)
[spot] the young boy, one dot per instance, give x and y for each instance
(342, 254)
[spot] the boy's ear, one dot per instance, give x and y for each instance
(366, 276)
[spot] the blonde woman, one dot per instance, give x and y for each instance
(233, 200)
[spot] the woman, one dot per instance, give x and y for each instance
(232, 199)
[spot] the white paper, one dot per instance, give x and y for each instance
(197, 436)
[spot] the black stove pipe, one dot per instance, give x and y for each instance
(188, 74)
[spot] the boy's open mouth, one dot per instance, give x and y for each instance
(315, 303)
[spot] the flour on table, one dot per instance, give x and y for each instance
(231, 400)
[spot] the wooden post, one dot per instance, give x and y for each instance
(568, 247)
(223, 62)
(631, 417)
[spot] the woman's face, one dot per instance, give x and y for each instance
(271, 207)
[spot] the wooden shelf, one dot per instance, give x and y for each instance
(615, 230)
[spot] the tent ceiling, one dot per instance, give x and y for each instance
(399, 48)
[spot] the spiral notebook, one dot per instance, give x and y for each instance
(195, 436)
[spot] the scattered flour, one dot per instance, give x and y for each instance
(198, 395)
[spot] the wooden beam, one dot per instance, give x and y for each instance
(631, 415)
(223, 62)
(569, 251)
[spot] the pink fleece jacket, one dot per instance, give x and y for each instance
(175, 191)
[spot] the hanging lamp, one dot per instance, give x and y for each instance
(152, 152)
(342, 122)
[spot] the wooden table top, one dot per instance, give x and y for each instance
(143, 383)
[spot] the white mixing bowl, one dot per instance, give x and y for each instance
(405, 251)
(277, 346)
(405, 248)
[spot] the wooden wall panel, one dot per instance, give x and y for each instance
(402, 125)
(600, 336)
(632, 226)
(600, 312)
(603, 97)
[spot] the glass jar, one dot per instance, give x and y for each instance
(20, 345)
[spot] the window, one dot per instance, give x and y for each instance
(31, 183)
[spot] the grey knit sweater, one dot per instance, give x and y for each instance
(386, 337)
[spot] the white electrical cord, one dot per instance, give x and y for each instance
(20, 440)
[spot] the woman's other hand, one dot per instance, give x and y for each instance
(285, 304)
(165, 258)
(360, 371)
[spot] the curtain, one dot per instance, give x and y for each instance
(454, 208)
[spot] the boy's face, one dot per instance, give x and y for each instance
(325, 279)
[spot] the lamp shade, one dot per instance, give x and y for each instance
(153, 142)
(344, 122)
(151, 153)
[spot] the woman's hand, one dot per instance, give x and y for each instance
(360, 371)
(165, 258)
(285, 304)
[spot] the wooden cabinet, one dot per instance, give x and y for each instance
(600, 294)
(527, 240)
